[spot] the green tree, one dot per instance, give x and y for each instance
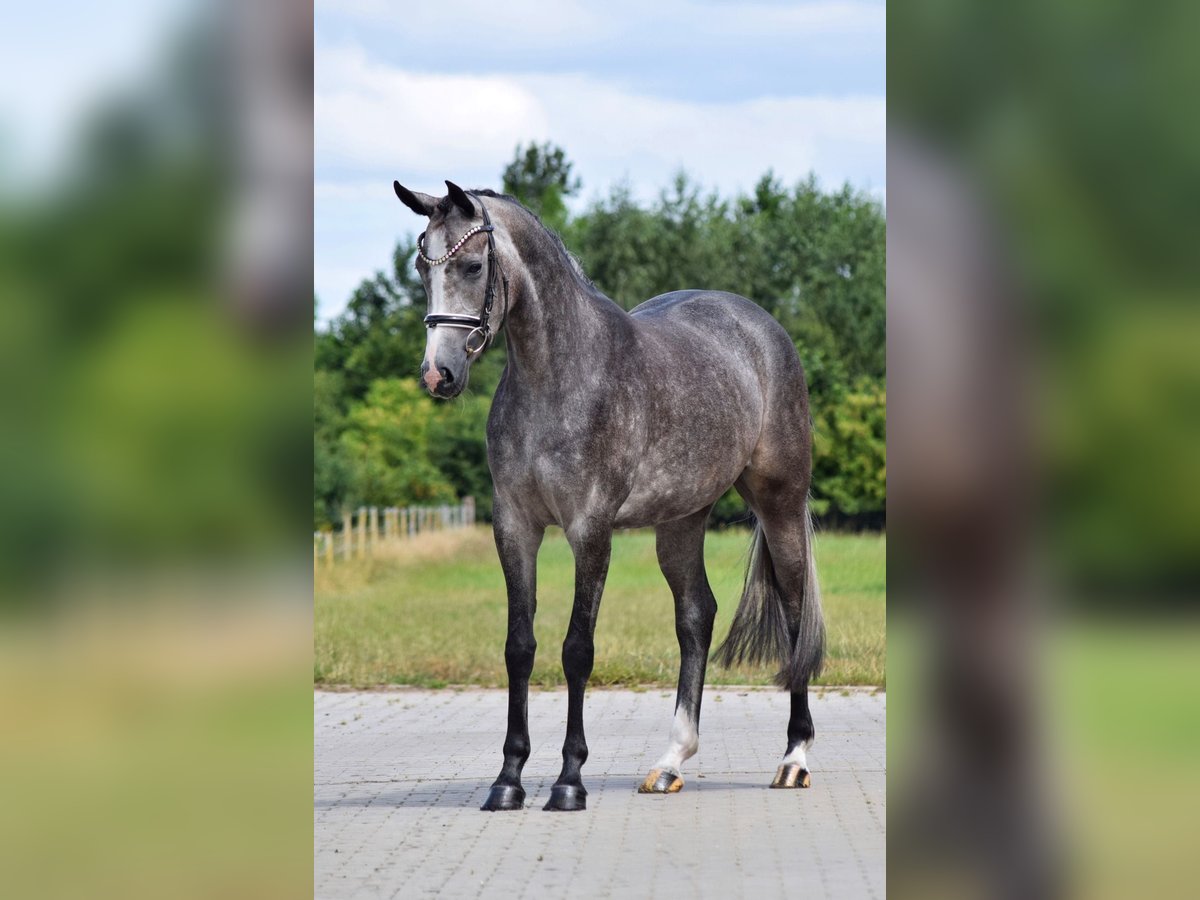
(458, 448)
(380, 334)
(812, 259)
(385, 446)
(850, 456)
(540, 177)
(331, 475)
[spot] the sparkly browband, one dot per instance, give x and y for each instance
(449, 253)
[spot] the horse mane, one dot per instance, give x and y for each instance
(555, 239)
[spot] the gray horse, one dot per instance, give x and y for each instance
(605, 419)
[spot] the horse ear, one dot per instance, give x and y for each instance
(460, 199)
(421, 204)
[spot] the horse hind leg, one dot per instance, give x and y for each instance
(779, 618)
(806, 629)
(680, 548)
(793, 771)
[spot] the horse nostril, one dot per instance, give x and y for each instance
(447, 377)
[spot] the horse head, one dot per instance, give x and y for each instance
(467, 291)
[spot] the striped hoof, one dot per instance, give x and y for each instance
(791, 776)
(660, 781)
(504, 797)
(567, 798)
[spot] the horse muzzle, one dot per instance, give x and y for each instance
(441, 381)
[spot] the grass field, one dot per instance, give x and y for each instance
(434, 613)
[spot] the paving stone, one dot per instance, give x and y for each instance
(400, 776)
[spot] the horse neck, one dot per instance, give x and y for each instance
(561, 328)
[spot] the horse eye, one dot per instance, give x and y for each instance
(474, 268)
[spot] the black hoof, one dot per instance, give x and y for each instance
(504, 796)
(791, 776)
(567, 798)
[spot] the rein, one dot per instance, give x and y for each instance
(480, 332)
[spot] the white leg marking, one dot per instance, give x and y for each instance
(797, 756)
(685, 741)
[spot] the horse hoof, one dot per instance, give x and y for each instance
(567, 798)
(791, 776)
(660, 781)
(503, 797)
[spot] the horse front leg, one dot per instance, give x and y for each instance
(517, 541)
(592, 546)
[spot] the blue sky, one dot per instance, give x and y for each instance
(633, 91)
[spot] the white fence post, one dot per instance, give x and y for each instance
(368, 526)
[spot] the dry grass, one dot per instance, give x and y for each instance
(433, 612)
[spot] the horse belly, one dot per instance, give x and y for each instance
(674, 486)
(702, 432)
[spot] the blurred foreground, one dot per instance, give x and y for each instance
(1044, 420)
(155, 316)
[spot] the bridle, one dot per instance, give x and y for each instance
(480, 332)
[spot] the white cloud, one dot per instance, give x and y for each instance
(424, 127)
(368, 114)
(726, 145)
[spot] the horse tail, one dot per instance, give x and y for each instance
(772, 625)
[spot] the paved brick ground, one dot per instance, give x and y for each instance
(400, 777)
